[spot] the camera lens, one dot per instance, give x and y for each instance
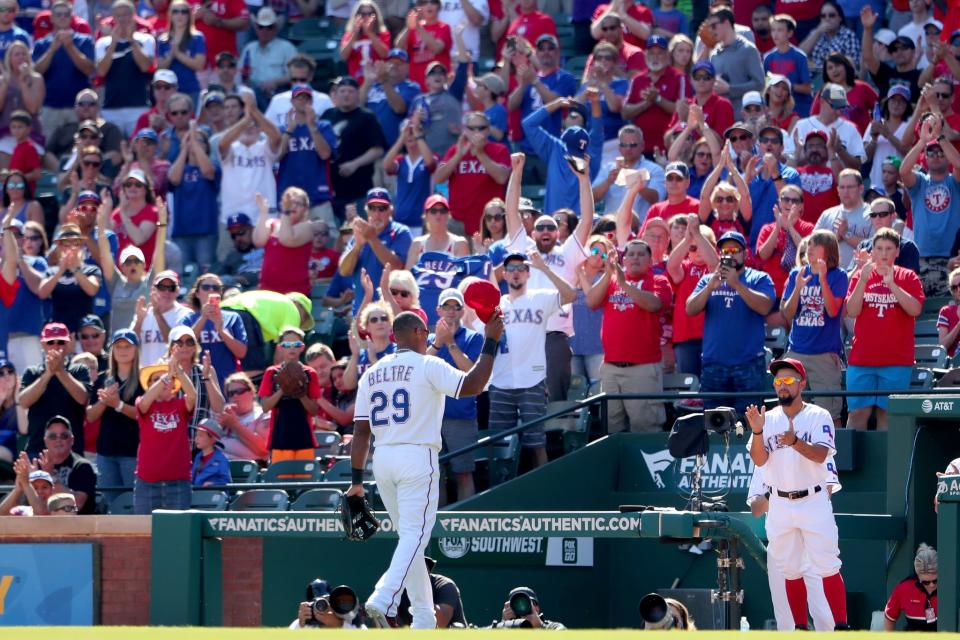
(521, 605)
(321, 605)
(343, 600)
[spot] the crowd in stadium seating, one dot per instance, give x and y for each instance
(192, 199)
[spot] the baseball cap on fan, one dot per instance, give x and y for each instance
(835, 95)
(576, 139)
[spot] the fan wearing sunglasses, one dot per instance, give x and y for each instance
(70, 471)
(882, 214)
(246, 427)
(291, 418)
(220, 332)
(726, 206)
(370, 339)
(691, 259)
(399, 289)
(916, 596)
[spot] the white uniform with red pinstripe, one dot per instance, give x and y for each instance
(402, 396)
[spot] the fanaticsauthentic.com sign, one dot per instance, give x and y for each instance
(597, 524)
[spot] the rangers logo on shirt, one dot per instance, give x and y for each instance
(937, 198)
(814, 183)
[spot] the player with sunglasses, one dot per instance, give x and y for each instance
(291, 425)
(792, 443)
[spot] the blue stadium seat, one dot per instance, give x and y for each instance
(207, 500)
(317, 500)
(261, 500)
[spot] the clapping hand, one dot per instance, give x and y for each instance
(756, 418)
(789, 437)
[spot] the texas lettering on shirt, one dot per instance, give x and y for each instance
(811, 307)
(164, 421)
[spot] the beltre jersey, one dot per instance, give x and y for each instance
(563, 261)
(402, 396)
(522, 361)
(436, 271)
(786, 469)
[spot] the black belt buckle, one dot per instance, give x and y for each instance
(796, 495)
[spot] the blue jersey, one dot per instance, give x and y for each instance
(187, 81)
(101, 301)
(302, 167)
(936, 214)
(389, 119)
(794, 65)
(222, 359)
(28, 311)
(612, 121)
(413, 188)
(469, 342)
(763, 195)
(195, 210)
(561, 83)
(813, 331)
(62, 79)
(733, 333)
(436, 271)
(497, 115)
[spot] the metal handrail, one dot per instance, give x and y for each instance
(679, 395)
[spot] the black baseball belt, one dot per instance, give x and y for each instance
(796, 495)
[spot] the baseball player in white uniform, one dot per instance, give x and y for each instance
(561, 260)
(400, 400)
(793, 443)
(758, 499)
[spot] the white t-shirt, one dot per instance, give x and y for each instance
(847, 134)
(281, 104)
(563, 261)
(451, 12)
(403, 395)
(786, 469)
(152, 345)
(858, 224)
(522, 363)
(145, 40)
(884, 148)
(247, 171)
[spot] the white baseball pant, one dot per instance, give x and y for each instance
(408, 479)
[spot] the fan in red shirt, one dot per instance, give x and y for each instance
(528, 24)
(220, 21)
(632, 297)
(691, 258)
(817, 178)
(631, 61)
(638, 20)
(477, 169)
(426, 38)
(163, 456)
(777, 241)
(365, 38)
(43, 25)
(885, 301)
(677, 176)
(717, 110)
(653, 96)
(948, 320)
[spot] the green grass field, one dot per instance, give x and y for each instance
(197, 633)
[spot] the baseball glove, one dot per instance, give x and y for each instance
(292, 379)
(357, 517)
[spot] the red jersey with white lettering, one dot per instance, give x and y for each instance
(665, 210)
(883, 332)
(421, 55)
(363, 50)
(629, 333)
(638, 12)
(686, 327)
(819, 191)
(164, 451)
(403, 396)
(471, 188)
(655, 120)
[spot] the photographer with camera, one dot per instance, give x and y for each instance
(326, 607)
(662, 614)
(522, 611)
(446, 601)
(735, 300)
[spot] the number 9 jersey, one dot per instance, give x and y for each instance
(402, 396)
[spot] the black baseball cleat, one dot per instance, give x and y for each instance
(842, 626)
(801, 627)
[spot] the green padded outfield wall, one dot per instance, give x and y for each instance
(598, 582)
